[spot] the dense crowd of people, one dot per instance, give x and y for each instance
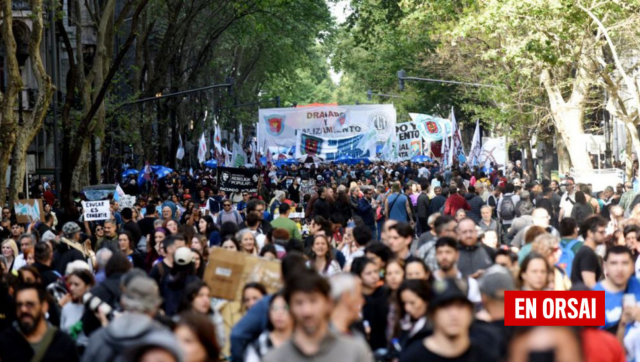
(380, 261)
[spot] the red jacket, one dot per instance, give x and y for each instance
(454, 203)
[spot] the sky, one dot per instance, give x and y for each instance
(340, 11)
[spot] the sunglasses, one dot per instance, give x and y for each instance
(225, 205)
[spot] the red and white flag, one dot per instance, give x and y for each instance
(202, 149)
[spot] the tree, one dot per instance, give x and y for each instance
(16, 138)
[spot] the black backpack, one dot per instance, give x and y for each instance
(507, 208)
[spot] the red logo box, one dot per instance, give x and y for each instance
(554, 308)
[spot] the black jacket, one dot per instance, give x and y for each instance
(13, 347)
(375, 312)
(109, 292)
(321, 208)
(47, 274)
(64, 255)
(133, 227)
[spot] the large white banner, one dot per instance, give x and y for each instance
(409, 140)
(331, 149)
(493, 150)
(278, 127)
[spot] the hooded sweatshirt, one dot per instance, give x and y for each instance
(130, 330)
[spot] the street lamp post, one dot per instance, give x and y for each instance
(402, 76)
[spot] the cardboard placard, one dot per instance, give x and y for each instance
(229, 271)
(96, 210)
(28, 210)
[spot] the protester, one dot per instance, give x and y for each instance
(140, 302)
(308, 297)
(33, 338)
(586, 267)
(376, 306)
(451, 314)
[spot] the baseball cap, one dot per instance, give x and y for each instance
(449, 290)
(495, 281)
(183, 256)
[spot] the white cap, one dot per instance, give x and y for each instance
(183, 256)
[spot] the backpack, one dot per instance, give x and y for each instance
(507, 208)
(566, 259)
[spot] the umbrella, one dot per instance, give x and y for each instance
(129, 172)
(420, 159)
(211, 163)
(345, 159)
(162, 171)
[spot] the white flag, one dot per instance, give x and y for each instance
(240, 136)
(239, 159)
(474, 153)
(451, 143)
(217, 139)
(180, 153)
(202, 149)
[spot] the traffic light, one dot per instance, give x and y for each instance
(401, 75)
(369, 94)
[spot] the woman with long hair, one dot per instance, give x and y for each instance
(197, 339)
(343, 205)
(199, 242)
(581, 209)
(208, 228)
(127, 246)
(154, 248)
(79, 282)
(247, 241)
(197, 299)
(279, 329)
(198, 262)
(413, 302)
(393, 278)
(10, 252)
(171, 226)
(534, 273)
(321, 258)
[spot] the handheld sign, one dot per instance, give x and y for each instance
(29, 210)
(96, 210)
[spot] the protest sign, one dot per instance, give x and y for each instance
(29, 210)
(228, 271)
(96, 210)
(278, 127)
(238, 179)
(409, 140)
(126, 201)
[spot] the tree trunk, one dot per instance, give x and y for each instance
(569, 115)
(18, 168)
(547, 160)
(564, 161)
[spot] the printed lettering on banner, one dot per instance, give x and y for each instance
(278, 127)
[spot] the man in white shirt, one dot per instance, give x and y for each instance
(568, 199)
(424, 171)
(447, 258)
(26, 240)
